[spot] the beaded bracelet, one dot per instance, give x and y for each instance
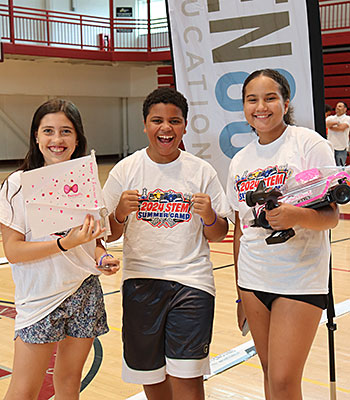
(59, 245)
(102, 257)
(216, 218)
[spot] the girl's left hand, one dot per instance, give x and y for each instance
(83, 234)
(283, 217)
(109, 265)
(201, 205)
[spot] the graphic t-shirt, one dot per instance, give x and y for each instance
(164, 239)
(42, 285)
(300, 265)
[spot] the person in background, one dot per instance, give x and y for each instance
(327, 110)
(338, 126)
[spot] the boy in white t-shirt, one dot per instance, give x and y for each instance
(168, 203)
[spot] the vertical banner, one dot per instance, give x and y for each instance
(1, 45)
(216, 44)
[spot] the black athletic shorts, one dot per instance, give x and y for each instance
(165, 320)
(318, 300)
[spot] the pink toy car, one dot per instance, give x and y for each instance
(318, 187)
(313, 188)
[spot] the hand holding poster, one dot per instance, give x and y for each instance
(59, 196)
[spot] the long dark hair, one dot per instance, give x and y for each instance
(34, 158)
(283, 87)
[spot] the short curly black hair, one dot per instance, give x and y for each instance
(165, 95)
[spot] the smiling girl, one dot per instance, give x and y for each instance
(58, 295)
(282, 288)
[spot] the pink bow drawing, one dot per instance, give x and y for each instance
(68, 188)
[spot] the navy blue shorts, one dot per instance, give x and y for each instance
(165, 321)
(318, 300)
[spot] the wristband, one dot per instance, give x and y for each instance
(59, 245)
(102, 257)
(216, 218)
(238, 301)
(118, 222)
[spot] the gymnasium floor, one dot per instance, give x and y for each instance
(243, 380)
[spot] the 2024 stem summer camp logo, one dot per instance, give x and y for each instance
(164, 208)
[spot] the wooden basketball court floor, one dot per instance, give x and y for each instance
(242, 381)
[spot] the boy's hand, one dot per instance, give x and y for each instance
(83, 234)
(129, 202)
(201, 205)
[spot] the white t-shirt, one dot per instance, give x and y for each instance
(164, 239)
(42, 285)
(339, 139)
(300, 265)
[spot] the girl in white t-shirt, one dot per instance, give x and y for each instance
(58, 295)
(282, 288)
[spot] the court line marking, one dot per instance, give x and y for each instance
(96, 364)
(340, 240)
(243, 352)
(6, 301)
(6, 369)
(308, 380)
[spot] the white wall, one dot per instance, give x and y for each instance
(27, 3)
(15, 115)
(55, 5)
(97, 90)
(99, 8)
(46, 76)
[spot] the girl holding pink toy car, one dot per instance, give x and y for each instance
(282, 288)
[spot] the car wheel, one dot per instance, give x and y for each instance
(249, 199)
(341, 194)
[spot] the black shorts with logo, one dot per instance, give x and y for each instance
(165, 319)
